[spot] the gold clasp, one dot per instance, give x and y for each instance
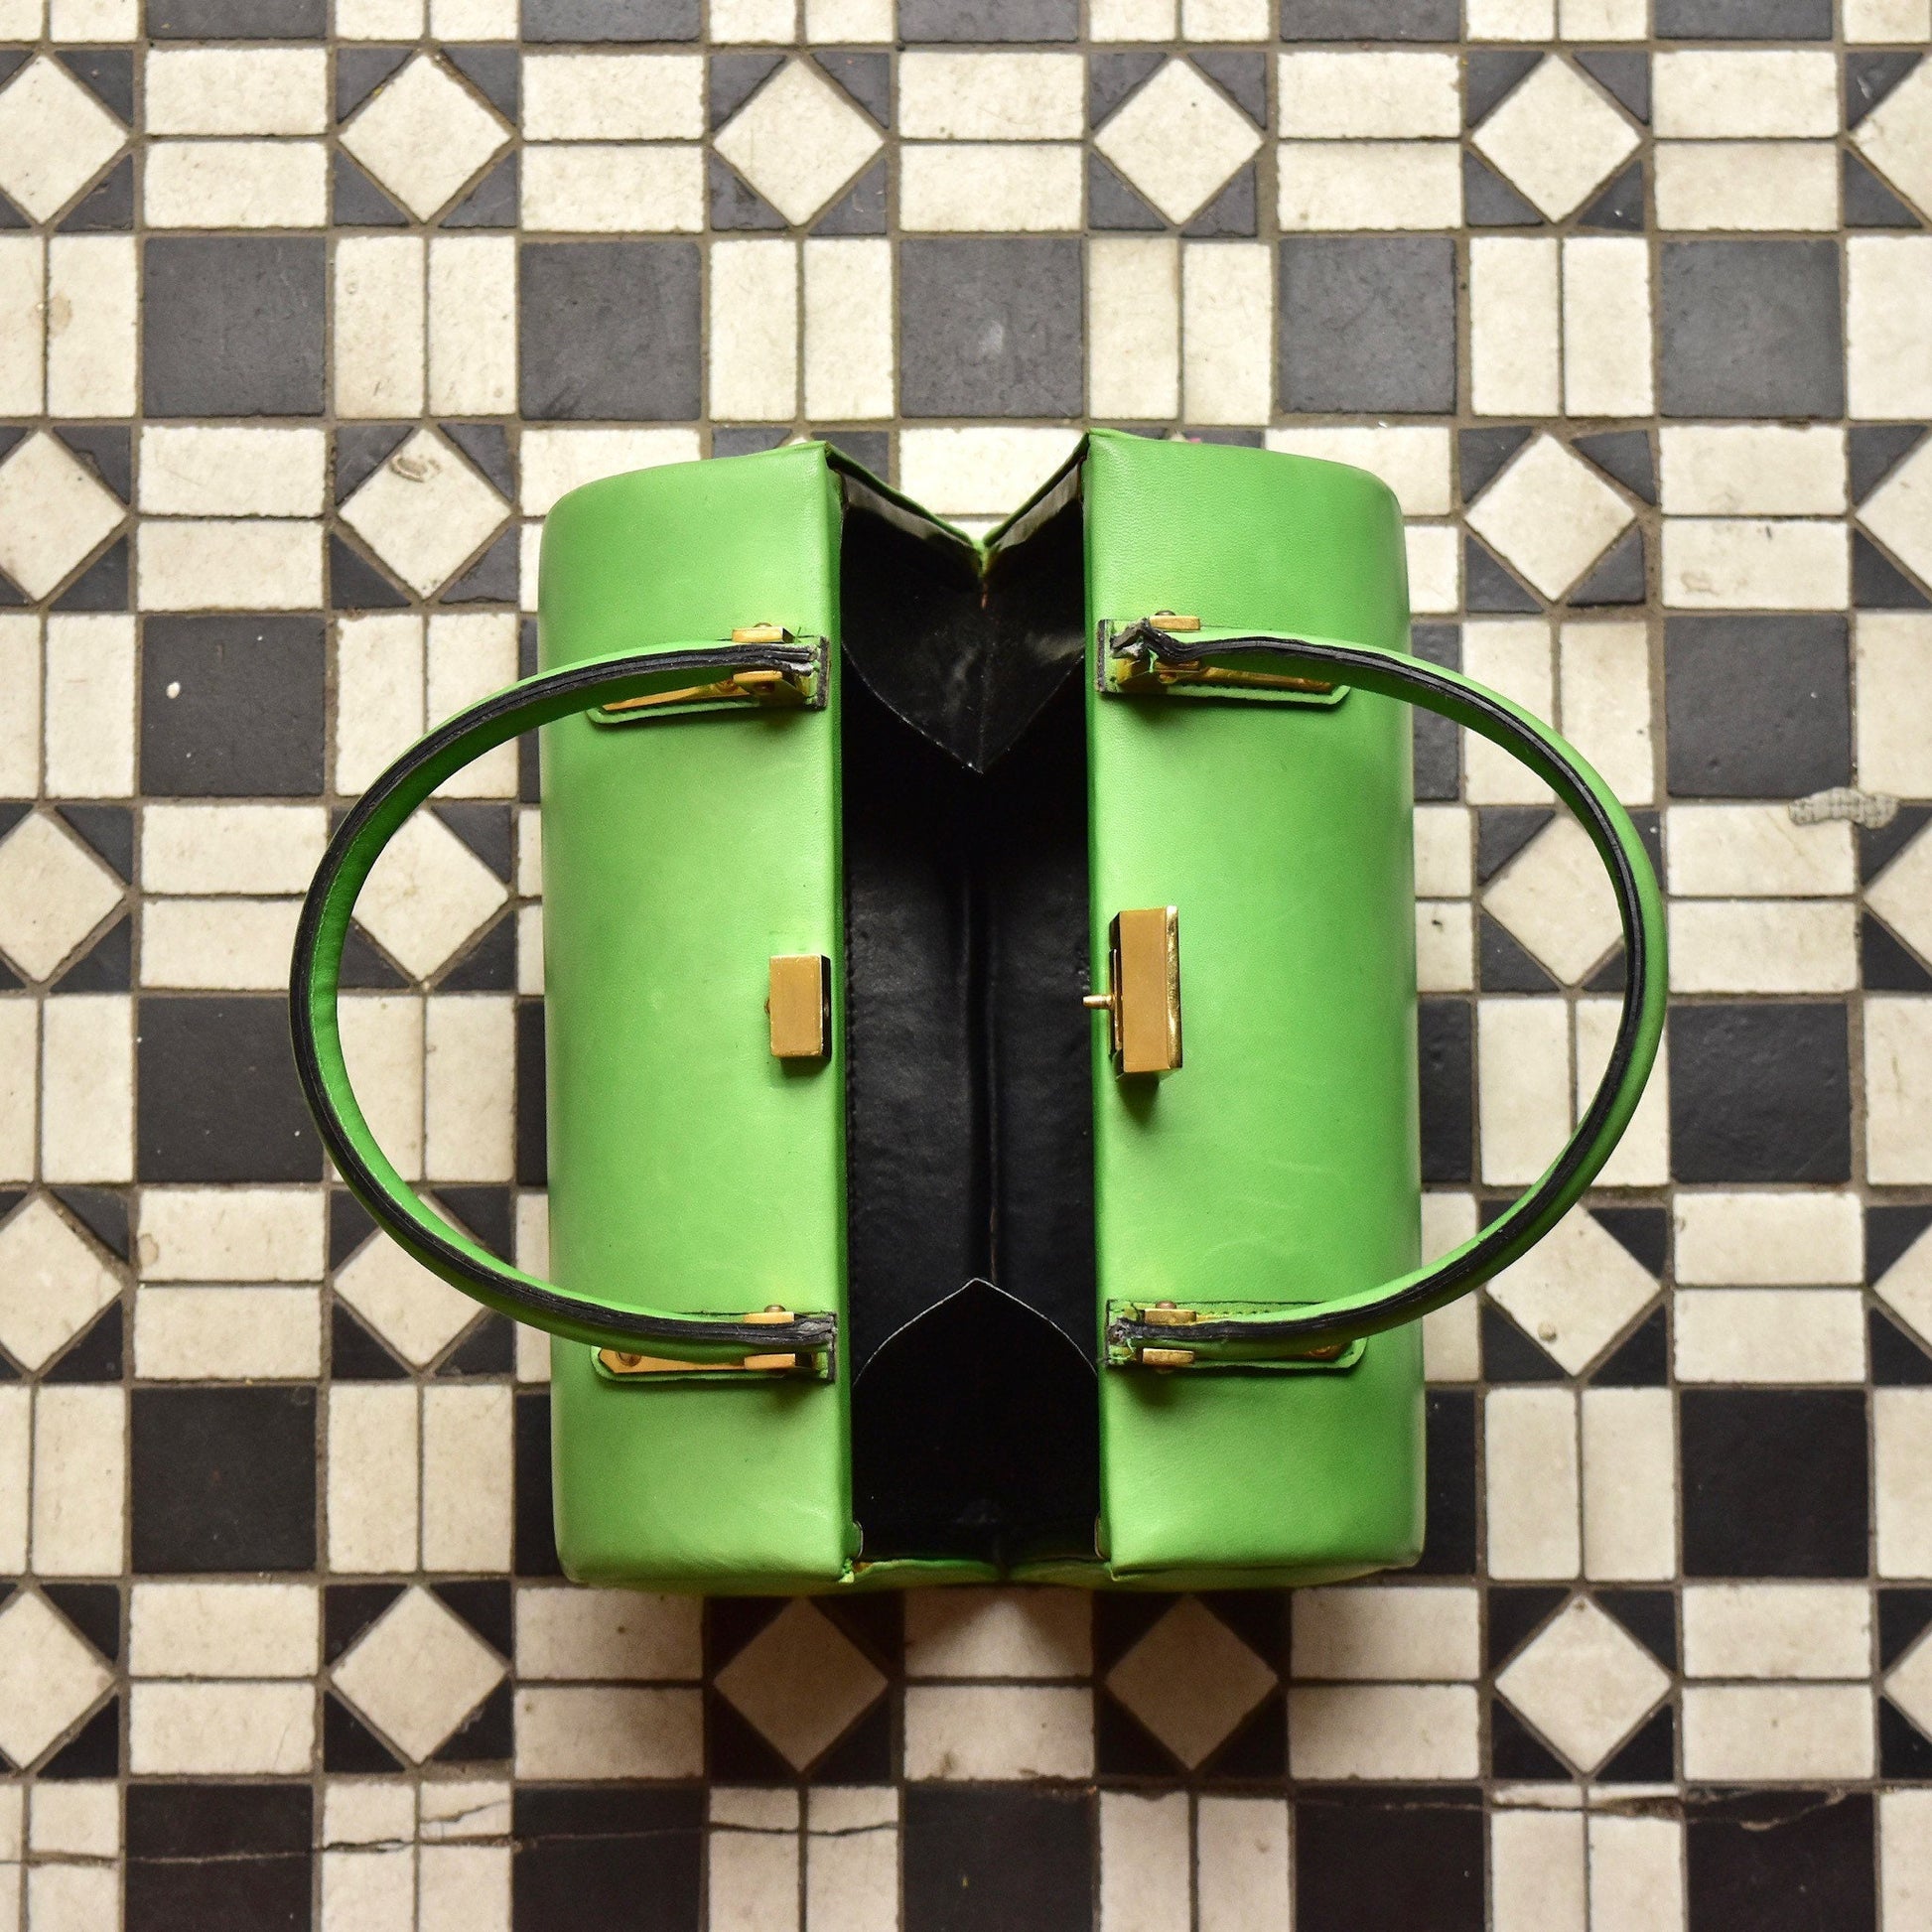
(1142, 997)
(623, 1362)
(800, 1006)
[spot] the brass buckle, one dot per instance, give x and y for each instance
(800, 1006)
(1139, 672)
(1142, 997)
(780, 686)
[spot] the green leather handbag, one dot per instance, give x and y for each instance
(981, 1025)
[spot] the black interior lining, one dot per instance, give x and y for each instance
(968, 1098)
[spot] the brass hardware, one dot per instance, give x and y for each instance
(1195, 672)
(761, 634)
(1142, 998)
(800, 1006)
(769, 687)
(1163, 1315)
(771, 1315)
(1167, 620)
(1168, 1358)
(621, 1361)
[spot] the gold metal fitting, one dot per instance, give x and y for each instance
(1168, 620)
(801, 1007)
(761, 634)
(1144, 990)
(1167, 1358)
(1163, 1315)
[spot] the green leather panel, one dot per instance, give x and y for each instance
(688, 1169)
(1280, 1162)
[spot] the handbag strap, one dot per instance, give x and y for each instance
(314, 1022)
(1299, 1330)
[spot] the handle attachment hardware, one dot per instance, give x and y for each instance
(1142, 997)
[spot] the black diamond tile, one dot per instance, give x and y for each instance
(495, 576)
(1880, 845)
(93, 1751)
(1516, 1753)
(1889, 1233)
(1489, 586)
(1504, 965)
(871, 447)
(1373, 1859)
(1509, 1355)
(1761, 1091)
(1482, 453)
(1871, 74)
(1904, 1752)
(94, 1609)
(223, 1479)
(217, 1093)
(1643, 1232)
(609, 330)
(349, 1748)
(232, 324)
(1875, 450)
(493, 202)
(731, 79)
(1241, 74)
(997, 1858)
(108, 829)
(93, 1357)
(1781, 1861)
(1625, 455)
(1750, 328)
(1620, 576)
(1232, 211)
(991, 326)
(355, 201)
(356, 1355)
(1114, 75)
(495, 72)
(355, 583)
(867, 76)
(218, 1858)
(1650, 1616)
(361, 71)
(488, 1348)
(1902, 1617)
(106, 209)
(107, 449)
(609, 19)
(733, 202)
(1869, 202)
(1489, 73)
(1489, 201)
(1368, 322)
(1642, 1362)
(1650, 1758)
(861, 209)
(1113, 206)
(1446, 1062)
(1619, 207)
(487, 1736)
(244, 717)
(1624, 71)
(348, 1609)
(1877, 583)
(618, 1855)
(108, 966)
(1515, 1612)
(1897, 1360)
(1775, 1482)
(1756, 707)
(103, 1211)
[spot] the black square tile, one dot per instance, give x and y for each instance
(536, 1524)
(1774, 1481)
(991, 326)
(609, 331)
(1781, 1861)
(1750, 328)
(1756, 707)
(1446, 1067)
(609, 19)
(997, 1858)
(1744, 20)
(1380, 1860)
(988, 20)
(241, 20)
(1761, 1091)
(232, 707)
(1450, 1539)
(1369, 20)
(232, 324)
(1368, 322)
(218, 1858)
(219, 1099)
(223, 1479)
(608, 1855)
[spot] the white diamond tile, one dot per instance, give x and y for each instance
(1190, 1681)
(423, 135)
(48, 1676)
(1179, 140)
(1906, 1286)
(1550, 514)
(1585, 1683)
(1574, 1290)
(51, 513)
(1554, 896)
(799, 141)
(54, 892)
(51, 1284)
(1909, 1686)
(1899, 511)
(418, 1671)
(1901, 895)
(425, 511)
(801, 1682)
(426, 896)
(1896, 136)
(55, 137)
(416, 1312)
(1556, 137)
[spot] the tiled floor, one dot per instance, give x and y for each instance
(305, 321)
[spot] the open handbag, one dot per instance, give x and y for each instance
(981, 1025)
